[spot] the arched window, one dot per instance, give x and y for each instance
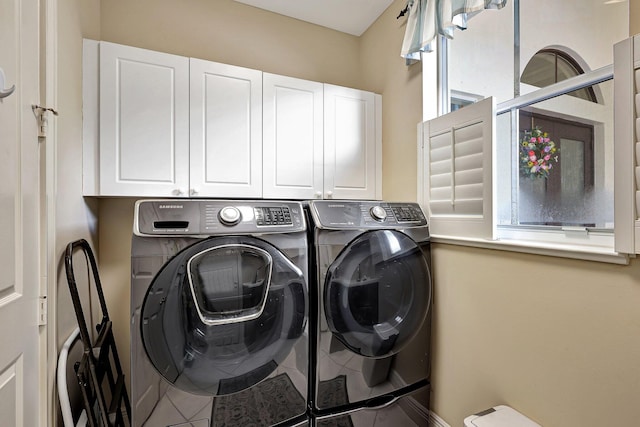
(551, 201)
(549, 66)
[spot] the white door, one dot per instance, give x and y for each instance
(144, 122)
(292, 139)
(226, 130)
(20, 387)
(352, 144)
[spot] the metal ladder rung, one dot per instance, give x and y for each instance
(116, 399)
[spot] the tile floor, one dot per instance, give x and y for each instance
(179, 409)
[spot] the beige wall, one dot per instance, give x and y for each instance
(233, 33)
(385, 72)
(74, 216)
(634, 14)
(554, 338)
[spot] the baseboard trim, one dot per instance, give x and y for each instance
(436, 421)
(413, 408)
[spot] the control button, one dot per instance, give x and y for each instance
(378, 213)
(407, 214)
(273, 216)
(229, 215)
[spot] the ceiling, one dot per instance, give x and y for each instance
(347, 16)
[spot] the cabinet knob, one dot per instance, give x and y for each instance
(178, 192)
(318, 194)
(329, 194)
(194, 191)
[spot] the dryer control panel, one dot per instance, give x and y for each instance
(348, 214)
(215, 217)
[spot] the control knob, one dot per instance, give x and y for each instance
(229, 215)
(378, 213)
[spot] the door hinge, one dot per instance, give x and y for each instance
(41, 117)
(42, 310)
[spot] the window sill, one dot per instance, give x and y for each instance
(599, 247)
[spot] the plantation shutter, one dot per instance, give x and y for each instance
(458, 186)
(626, 80)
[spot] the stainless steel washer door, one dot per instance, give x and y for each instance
(223, 314)
(377, 293)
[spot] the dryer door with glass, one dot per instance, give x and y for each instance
(377, 293)
(223, 314)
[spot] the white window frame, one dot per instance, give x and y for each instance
(574, 242)
(463, 99)
(627, 150)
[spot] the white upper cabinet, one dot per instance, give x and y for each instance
(162, 125)
(226, 130)
(169, 126)
(292, 139)
(352, 144)
(144, 122)
(320, 141)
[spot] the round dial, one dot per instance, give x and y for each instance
(378, 213)
(229, 215)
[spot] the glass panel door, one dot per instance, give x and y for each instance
(377, 293)
(223, 314)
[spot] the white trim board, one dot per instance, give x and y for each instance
(436, 421)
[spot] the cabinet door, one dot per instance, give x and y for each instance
(144, 122)
(352, 144)
(292, 144)
(226, 130)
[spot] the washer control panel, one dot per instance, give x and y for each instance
(279, 215)
(213, 217)
(338, 214)
(407, 213)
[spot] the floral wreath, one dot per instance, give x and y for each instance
(537, 153)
